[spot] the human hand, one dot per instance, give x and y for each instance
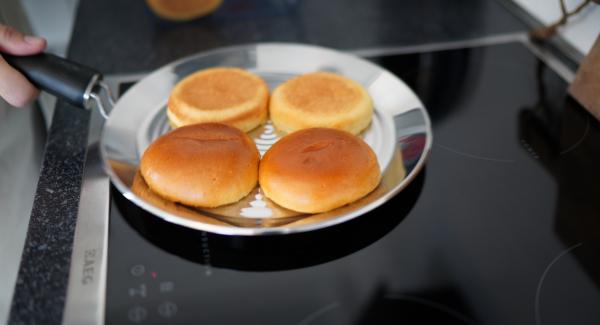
(14, 87)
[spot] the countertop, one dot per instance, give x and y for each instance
(120, 37)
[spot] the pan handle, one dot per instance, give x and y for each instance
(63, 78)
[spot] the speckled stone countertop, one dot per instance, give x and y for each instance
(118, 37)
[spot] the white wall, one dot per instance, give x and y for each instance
(52, 20)
(581, 30)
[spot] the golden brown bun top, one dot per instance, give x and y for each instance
(315, 91)
(319, 155)
(182, 9)
(208, 138)
(201, 164)
(218, 88)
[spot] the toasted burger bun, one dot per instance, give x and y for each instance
(318, 169)
(225, 95)
(202, 165)
(321, 99)
(181, 10)
(141, 189)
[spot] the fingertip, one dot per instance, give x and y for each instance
(14, 87)
(35, 44)
(14, 42)
(35, 41)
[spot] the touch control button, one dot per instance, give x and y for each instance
(137, 314)
(139, 292)
(167, 286)
(138, 270)
(167, 309)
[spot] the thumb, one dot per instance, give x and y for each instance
(14, 42)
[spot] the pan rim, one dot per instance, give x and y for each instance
(280, 230)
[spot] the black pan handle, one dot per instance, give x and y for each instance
(63, 78)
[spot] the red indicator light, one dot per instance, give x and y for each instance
(153, 274)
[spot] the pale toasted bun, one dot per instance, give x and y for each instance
(202, 165)
(180, 10)
(225, 95)
(318, 169)
(321, 99)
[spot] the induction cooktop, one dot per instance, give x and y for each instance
(502, 226)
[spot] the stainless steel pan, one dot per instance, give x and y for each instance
(400, 133)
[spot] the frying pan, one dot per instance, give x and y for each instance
(400, 133)
(272, 253)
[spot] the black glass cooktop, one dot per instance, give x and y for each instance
(502, 227)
